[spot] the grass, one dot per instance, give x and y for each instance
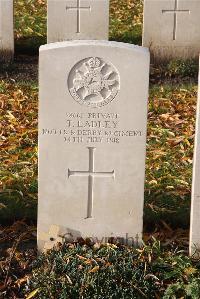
(171, 120)
(126, 21)
(155, 271)
(110, 271)
(19, 149)
(85, 270)
(171, 128)
(30, 23)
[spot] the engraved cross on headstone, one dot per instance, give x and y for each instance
(91, 174)
(78, 8)
(175, 11)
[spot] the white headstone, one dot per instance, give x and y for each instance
(92, 138)
(195, 208)
(6, 30)
(172, 28)
(77, 20)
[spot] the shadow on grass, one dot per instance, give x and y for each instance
(131, 37)
(14, 207)
(29, 45)
(168, 208)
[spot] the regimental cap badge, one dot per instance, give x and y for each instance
(93, 82)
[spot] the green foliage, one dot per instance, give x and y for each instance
(187, 68)
(30, 18)
(18, 150)
(30, 25)
(126, 21)
(182, 290)
(110, 271)
(170, 140)
(2, 87)
(15, 206)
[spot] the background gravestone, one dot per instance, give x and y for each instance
(6, 30)
(92, 138)
(172, 28)
(195, 208)
(77, 19)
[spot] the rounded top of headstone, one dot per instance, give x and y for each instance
(66, 44)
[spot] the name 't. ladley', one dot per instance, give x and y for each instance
(103, 124)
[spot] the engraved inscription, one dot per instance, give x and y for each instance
(93, 82)
(175, 11)
(78, 9)
(93, 128)
(91, 174)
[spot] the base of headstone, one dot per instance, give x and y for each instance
(165, 54)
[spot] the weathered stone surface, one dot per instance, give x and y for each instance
(6, 31)
(172, 28)
(92, 139)
(77, 20)
(195, 207)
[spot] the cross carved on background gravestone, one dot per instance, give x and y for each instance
(175, 11)
(78, 8)
(77, 20)
(91, 174)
